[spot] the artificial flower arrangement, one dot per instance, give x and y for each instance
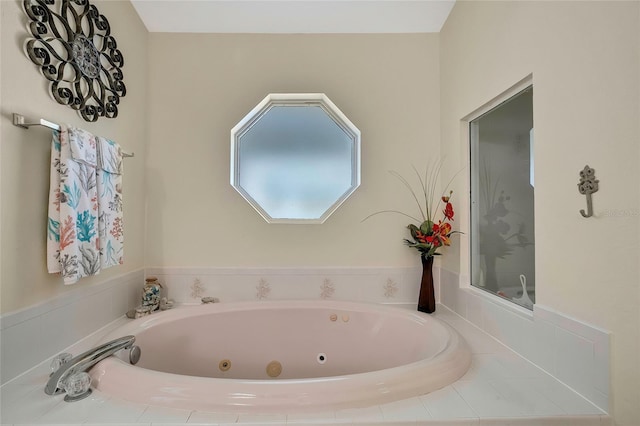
(430, 236)
(427, 236)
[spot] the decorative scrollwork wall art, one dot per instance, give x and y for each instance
(73, 46)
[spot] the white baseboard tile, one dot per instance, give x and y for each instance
(575, 353)
(375, 285)
(34, 334)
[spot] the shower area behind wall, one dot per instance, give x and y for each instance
(502, 200)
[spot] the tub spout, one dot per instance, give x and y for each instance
(84, 362)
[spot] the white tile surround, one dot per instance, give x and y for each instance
(376, 285)
(574, 352)
(37, 333)
(501, 388)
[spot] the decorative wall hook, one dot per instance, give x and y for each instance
(588, 185)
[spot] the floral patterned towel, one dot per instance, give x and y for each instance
(72, 231)
(109, 177)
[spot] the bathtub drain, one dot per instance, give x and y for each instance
(224, 365)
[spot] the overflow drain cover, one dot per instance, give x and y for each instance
(274, 368)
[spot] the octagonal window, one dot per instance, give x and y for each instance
(295, 158)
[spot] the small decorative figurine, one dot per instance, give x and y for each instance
(151, 294)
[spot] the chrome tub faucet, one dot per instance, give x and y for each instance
(72, 377)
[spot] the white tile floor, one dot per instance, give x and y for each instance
(500, 388)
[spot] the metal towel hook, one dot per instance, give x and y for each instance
(588, 185)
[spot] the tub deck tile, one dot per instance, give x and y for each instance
(317, 422)
(406, 410)
(117, 411)
(262, 419)
(74, 412)
(500, 389)
(212, 418)
(564, 397)
(542, 421)
(528, 400)
(479, 341)
(110, 424)
(501, 366)
(322, 417)
(34, 405)
(360, 415)
(447, 404)
(164, 414)
(485, 400)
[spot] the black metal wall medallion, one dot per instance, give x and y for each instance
(73, 46)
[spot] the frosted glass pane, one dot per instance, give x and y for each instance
(295, 158)
(295, 162)
(502, 195)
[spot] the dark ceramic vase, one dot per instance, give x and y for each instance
(427, 299)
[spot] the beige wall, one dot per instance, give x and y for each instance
(407, 94)
(24, 155)
(202, 85)
(585, 63)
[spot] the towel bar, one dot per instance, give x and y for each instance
(18, 120)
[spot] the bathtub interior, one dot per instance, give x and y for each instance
(373, 355)
(286, 343)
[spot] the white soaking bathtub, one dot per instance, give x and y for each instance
(283, 356)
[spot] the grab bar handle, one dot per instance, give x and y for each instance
(84, 362)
